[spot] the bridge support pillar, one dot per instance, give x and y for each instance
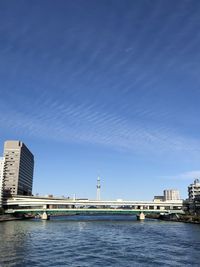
(44, 216)
(141, 216)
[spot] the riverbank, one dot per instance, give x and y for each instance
(176, 218)
(8, 217)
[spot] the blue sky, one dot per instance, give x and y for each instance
(103, 87)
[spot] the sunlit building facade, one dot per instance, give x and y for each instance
(171, 194)
(18, 169)
(194, 189)
(1, 180)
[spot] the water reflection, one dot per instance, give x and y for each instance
(82, 241)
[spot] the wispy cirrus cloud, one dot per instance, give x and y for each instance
(85, 123)
(127, 85)
(190, 175)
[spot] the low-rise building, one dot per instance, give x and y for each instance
(194, 189)
(197, 204)
(158, 198)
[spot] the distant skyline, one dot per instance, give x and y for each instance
(103, 87)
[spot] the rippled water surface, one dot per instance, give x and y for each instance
(99, 241)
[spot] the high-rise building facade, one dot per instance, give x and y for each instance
(18, 169)
(1, 180)
(194, 189)
(171, 194)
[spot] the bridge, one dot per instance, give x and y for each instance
(46, 207)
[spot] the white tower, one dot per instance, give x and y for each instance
(98, 189)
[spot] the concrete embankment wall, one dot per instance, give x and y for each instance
(7, 217)
(186, 218)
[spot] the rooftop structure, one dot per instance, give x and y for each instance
(158, 198)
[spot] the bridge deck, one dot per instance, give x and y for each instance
(25, 204)
(91, 211)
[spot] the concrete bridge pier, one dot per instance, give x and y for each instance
(44, 216)
(141, 216)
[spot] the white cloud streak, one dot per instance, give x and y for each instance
(190, 175)
(87, 124)
(129, 114)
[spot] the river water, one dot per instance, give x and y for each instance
(99, 241)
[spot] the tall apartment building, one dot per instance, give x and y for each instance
(194, 189)
(18, 169)
(1, 180)
(171, 194)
